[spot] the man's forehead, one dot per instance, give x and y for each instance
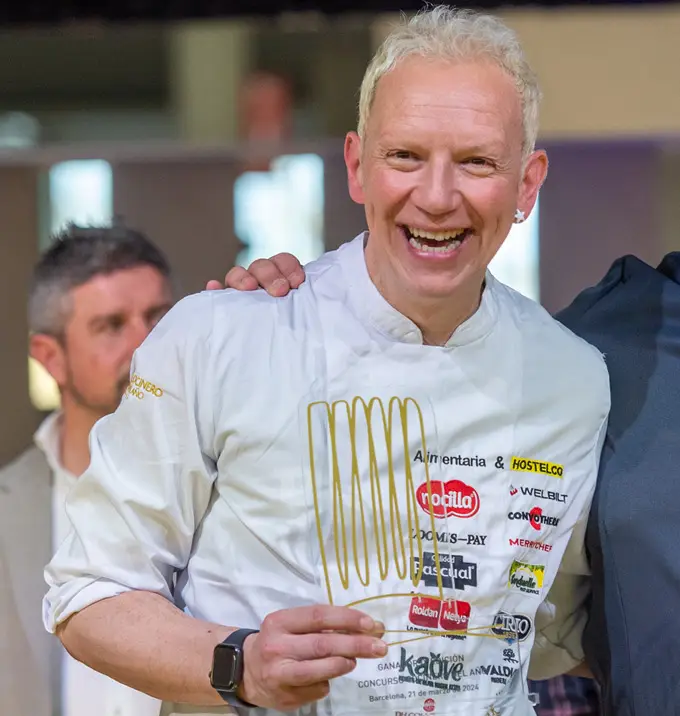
(126, 290)
(445, 90)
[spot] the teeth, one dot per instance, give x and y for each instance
(444, 248)
(435, 235)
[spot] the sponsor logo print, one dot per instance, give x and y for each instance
(428, 706)
(539, 494)
(454, 571)
(535, 517)
(451, 538)
(459, 460)
(512, 627)
(530, 544)
(527, 578)
(497, 674)
(138, 388)
(448, 499)
(435, 670)
(526, 464)
(430, 614)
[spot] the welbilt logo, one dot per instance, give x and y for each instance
(448, 499)
(431, 613)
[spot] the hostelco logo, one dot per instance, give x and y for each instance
(448, 499)
(535, 517)
(431, 614)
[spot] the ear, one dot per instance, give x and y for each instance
(355, 178)
(535, 172)
(49, 352)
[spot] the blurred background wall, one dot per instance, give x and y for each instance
(222, 139)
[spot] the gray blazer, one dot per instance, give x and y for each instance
(29, 656)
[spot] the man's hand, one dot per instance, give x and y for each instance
(277, 275)
(291, 661)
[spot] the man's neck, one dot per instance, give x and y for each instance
(437, 319)
(74, 449)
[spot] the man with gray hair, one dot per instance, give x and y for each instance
(367, 497)
(95, 295)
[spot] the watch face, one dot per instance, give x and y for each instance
(227, 667)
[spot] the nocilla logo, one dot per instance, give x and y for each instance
(138, 388)
(372, 533)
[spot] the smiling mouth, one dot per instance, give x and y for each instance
(437, 242)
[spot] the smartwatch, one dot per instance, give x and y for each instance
(227, 667)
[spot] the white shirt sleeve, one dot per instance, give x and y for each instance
(561, 618)
(136, 508)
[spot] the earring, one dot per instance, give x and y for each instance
(519, 216)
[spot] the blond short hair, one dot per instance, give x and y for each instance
(443, 32)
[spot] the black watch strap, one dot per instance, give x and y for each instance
(234, 642)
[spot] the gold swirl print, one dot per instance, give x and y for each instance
(393, 519)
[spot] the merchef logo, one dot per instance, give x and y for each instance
(527, 578)
(512, 627)
(453, 570)
(449, 499)
(137, 387)
(535, 517)
(449, 615)
(530, 544)
(525, 464)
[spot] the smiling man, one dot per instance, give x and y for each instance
(322, 509)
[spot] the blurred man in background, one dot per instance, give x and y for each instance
(95, 295)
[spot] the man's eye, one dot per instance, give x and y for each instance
(114, 325)
(402, 154)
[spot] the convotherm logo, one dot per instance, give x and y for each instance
(535, 517)
(448, 499)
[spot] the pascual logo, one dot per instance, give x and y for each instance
(450, 538)
(535, 517)
(434, 670)
(539, 494)
(512, 627)
(525, 464)
(530, 544)
(527, 578)
(430, 614)
(453, 570)
(448, 499)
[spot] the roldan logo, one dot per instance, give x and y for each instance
(431, 613)
(449, 499)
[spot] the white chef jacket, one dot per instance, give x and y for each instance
(84, 692)
(273, 453)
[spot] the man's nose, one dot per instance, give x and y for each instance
(139, 330)
(438, 192)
